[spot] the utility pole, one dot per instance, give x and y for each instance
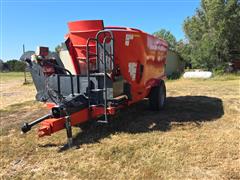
(25, 77)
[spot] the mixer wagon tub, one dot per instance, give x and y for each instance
(99, 70)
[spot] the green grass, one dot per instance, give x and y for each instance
(225, 77)
(14, 115)
(6, 76)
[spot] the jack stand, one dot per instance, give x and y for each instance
(69, 131)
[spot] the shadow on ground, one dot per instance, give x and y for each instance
(139, 119)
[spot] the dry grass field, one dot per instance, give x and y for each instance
(195, 137)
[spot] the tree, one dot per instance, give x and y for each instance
(1, 65)
(58, 49)
(213, 32)
(184, 50)
(15, 65)
(167, 36)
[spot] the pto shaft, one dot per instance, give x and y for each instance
(27, 126)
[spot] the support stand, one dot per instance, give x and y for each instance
(69, 131)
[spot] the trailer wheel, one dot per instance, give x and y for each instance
(157, 97)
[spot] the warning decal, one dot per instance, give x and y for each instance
(132, 69)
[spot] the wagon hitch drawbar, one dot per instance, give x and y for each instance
(27, 126)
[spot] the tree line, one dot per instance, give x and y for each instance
(212, 35)
(12, 65)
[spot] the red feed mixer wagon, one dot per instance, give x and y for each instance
(98, 71)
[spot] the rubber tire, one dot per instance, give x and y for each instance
(157, 97)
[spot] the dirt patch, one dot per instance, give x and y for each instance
(14, 115)
(13, 90)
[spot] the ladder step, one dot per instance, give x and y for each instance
(120, 97)
(102, 121)
(94, 105)
(84, 58)
(83, 46)
(118, 100)
(97, 74)
(97, 90)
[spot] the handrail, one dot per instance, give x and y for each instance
(105, 73)
(105, 54)
(112, 39)
(88, 67)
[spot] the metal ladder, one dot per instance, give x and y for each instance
(98, 74)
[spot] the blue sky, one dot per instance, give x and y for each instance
(44, 22)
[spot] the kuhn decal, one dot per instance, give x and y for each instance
(156, 44)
